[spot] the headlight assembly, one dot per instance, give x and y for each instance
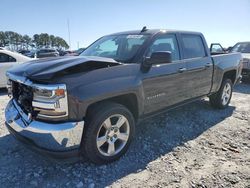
(50, 102)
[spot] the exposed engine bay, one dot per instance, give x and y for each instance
(23, 95)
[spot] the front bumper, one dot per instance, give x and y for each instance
(57, 139)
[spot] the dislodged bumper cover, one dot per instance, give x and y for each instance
(52, 137)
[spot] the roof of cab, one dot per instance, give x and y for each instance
(244, 42)
(155, 31)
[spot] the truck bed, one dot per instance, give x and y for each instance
(222, 63)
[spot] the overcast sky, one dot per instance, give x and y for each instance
(224, 21)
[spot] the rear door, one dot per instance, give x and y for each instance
(199, 65)
(163, 84)
(6, 62)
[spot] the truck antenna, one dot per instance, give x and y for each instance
(144, 29)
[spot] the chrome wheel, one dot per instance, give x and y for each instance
(113, 135)
(226, 94)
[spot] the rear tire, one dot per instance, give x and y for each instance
(222, 98)
(108, 133)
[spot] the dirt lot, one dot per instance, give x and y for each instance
(192, 146)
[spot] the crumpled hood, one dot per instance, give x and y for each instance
(48, 68)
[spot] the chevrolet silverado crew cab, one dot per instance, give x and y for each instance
(89, 105)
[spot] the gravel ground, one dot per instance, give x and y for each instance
(192, 146)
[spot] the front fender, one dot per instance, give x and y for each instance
(85, 94)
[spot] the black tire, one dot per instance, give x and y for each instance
(94, 122)
(216, 99)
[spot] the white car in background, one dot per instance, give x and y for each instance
(7, 60)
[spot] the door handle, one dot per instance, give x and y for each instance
(208, 65)
(182, 70)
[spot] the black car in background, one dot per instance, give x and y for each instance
(61, 52)
(47, 53)
(27, 53)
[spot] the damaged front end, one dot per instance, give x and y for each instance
(43, 102)
(38, 111)
(37, 115)
(36, 86)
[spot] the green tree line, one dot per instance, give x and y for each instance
(16, 41)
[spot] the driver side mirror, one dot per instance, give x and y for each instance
(158, 58)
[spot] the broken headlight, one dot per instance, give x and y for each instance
(50, 102)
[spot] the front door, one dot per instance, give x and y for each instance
(164, 84)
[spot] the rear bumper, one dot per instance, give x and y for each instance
(59, 140)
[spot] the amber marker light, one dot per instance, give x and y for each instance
(59, 92)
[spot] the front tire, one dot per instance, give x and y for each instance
(109, 132)
(222, 98)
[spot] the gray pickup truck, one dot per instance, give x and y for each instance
(89, 105)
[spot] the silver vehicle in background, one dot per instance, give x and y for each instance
(46, 52)
(9, 59)
(244, 48)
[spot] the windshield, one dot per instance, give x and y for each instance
(118, 47)
(241, 47)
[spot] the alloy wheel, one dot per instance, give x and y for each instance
(113, 135)
(226, 94)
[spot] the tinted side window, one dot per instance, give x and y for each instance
(166, 43)
(6, 58)
(12, 59)
(193, 46)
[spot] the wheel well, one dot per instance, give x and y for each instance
(231, 75)
(127, 100)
